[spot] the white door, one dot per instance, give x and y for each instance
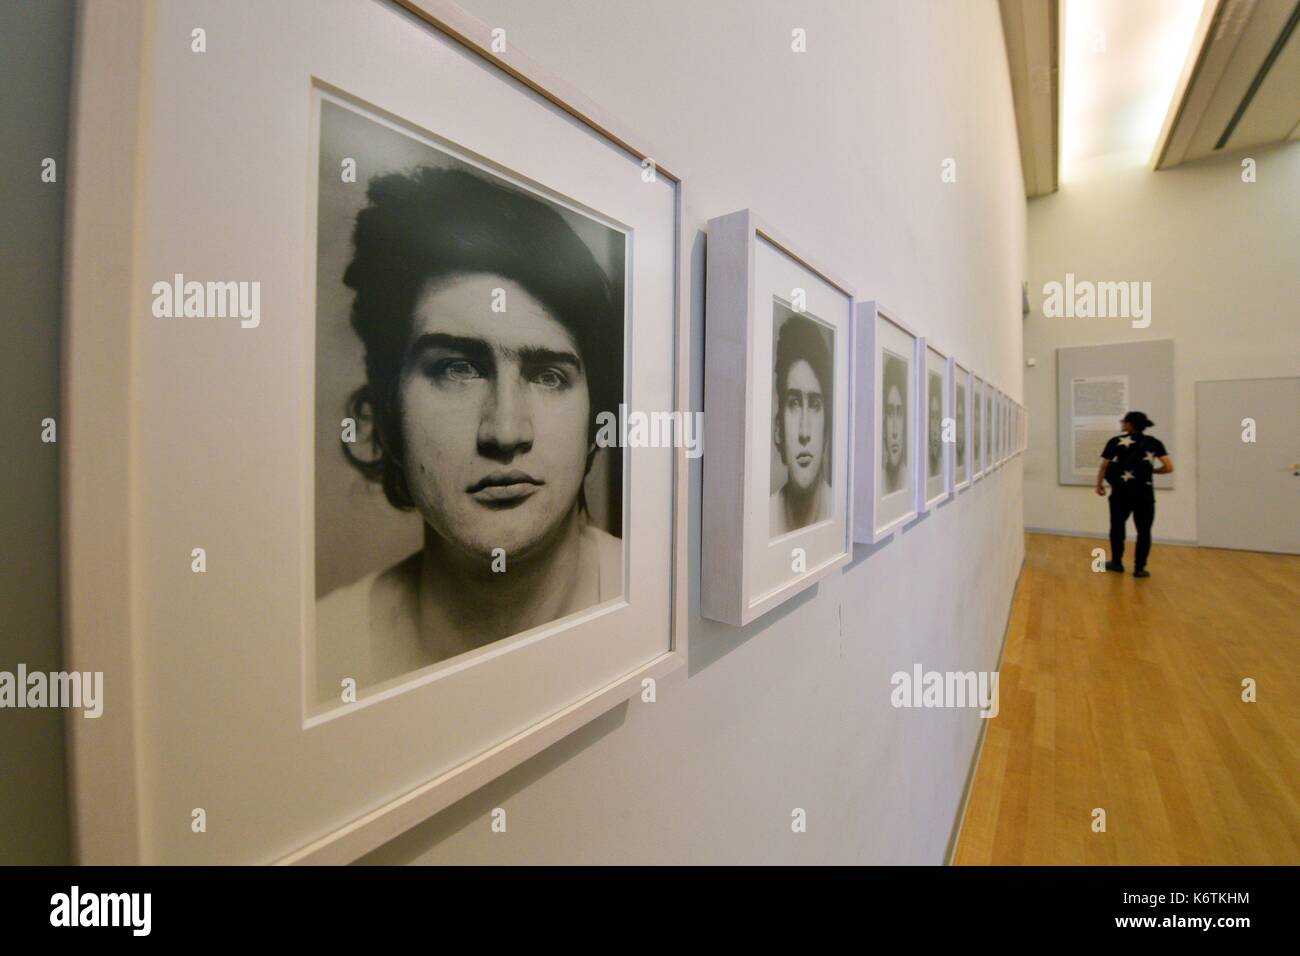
(1248, 493)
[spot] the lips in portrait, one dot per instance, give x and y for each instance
(504, 489)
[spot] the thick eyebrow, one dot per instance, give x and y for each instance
(480, 349)
(801, 392)
(470, 347)
(536, 355)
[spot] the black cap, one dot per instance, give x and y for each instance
(1138, 420)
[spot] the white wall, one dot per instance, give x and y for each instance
(1223, 260)
(841, 149)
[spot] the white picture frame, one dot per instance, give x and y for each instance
(935, 365)
(995, 433)
(195, 707)
(879, 509)
(758, 549)
(979, 457)
(962, 475)
(1006, 427)
(990, 418)
(1005, 430)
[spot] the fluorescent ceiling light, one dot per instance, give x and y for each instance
(1121, 64)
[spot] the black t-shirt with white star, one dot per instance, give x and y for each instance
(1132, 459)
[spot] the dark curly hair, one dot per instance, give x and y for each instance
(801, 339)
(432, 223)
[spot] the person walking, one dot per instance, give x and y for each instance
(1128, 463)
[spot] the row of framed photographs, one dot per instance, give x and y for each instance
(837, 422)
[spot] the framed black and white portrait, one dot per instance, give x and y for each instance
(405, 529)
(891, 469)
(1008, 429)
(978, 460)
(961, 446)
(994, 424)
(990, 450)
(936, 421)
(470, 341)
(778, 419)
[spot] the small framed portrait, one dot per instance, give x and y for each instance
(961, 444)
(978, 460)
(1004, 409)
(890, 474)
(995, 428)
(1013, 438)
(989, 449)
(1004, 431)
(778, 419)
(936, 421)
(1010, 428)
(1006, 427)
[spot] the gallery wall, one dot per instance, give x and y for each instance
(843, 149)
(1221, 256)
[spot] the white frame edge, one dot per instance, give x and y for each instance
(929, 504)
(866, 314)
(729, 380)
(957, 371)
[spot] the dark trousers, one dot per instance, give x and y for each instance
(1142, 506)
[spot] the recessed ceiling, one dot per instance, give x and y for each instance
(1242, 88)
(1031, 29)
(1121, 61)
(1105, 84)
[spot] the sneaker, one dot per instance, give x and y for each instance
(1114, 566)
(1141, 573)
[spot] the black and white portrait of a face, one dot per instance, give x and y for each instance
(893, 399)
(988, 426)
(961, 424)
(934, 418)
(469, 331)
(803, 391)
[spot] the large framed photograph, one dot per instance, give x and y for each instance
(936, 418)
(979, 463)
(962, 466)
(393, 526)
(777, 514)
(889, 482)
